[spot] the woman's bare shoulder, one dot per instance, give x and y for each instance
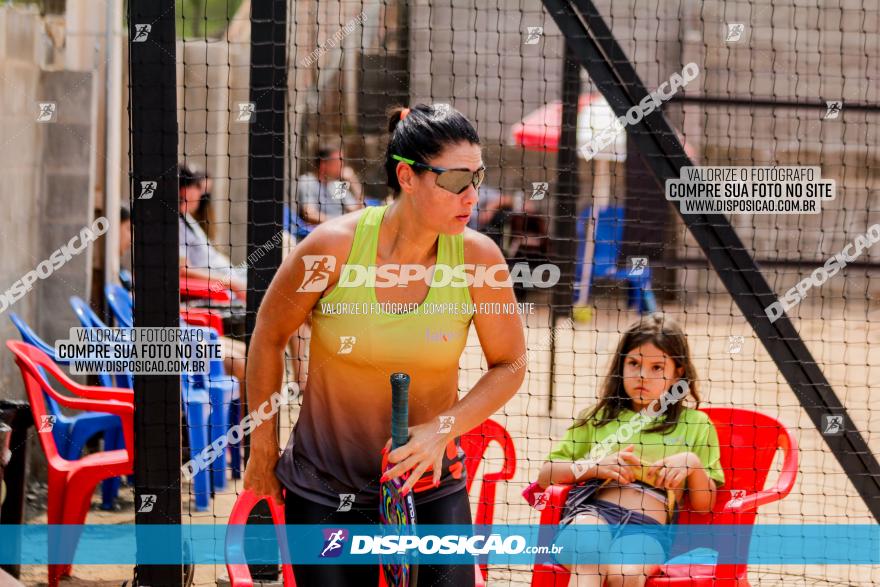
(333, 237)
(479, 248)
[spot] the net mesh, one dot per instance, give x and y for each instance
(768, 73)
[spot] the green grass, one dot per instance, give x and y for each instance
(199, 19)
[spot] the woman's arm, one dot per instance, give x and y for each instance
(283, 310)
(503, 343)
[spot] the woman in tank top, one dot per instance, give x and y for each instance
(405, 317)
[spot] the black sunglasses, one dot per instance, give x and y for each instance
(452, 180)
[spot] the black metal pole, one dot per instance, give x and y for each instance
(154, 185)
(266, 165)
(17, 415)
(563, 229)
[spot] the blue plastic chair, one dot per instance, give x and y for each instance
(71, 433)
(295, 225)
(126, 279)
(222, 388)
(606, 253)
(120, 304)
(196, 404)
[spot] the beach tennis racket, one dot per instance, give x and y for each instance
(397, 511)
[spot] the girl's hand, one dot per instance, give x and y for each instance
(673, 471)
(424, 449)
(619, 466)
(259, 475)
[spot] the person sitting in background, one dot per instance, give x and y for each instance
(198, 257)
(327, 193)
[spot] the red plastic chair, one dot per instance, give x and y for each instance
(749, 441)
(195, 287)
(72, 483)
(239, 575)
(474, 444)
(203, 317)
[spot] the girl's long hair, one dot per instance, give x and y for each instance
(666, 335)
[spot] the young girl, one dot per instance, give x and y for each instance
(637, 451)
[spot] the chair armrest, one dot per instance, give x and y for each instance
(555, 496)
(193, 287)
(783, 485)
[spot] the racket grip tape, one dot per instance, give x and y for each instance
(399, 409)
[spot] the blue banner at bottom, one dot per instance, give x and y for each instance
(450, 544)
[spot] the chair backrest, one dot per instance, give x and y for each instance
(88, 319)
(608, 234)
(749, 442)
(475, 443)
(31, 337)
(120, 304)
(239, 575)
(32, 362)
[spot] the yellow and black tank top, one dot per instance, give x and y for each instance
(345, 419)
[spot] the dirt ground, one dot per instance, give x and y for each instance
(838, 337)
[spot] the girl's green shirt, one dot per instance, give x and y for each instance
(694, 433)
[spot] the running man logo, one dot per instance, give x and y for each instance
(832, 424)
(533, 35)
(141, 32)
(47, 112)
(346, 344)
(340, 188)
(735, 32)
(318, 270)
(446, 423)
(539, 190)
(734, 344)
(333, 541)
(246, 112)
(148, 189)
(346, 500)
(637, 265)
(737, 496)
(541, 501)
(833, 108)
(47, 423)
(148, 500)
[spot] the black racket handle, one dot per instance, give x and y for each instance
(399, 410)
